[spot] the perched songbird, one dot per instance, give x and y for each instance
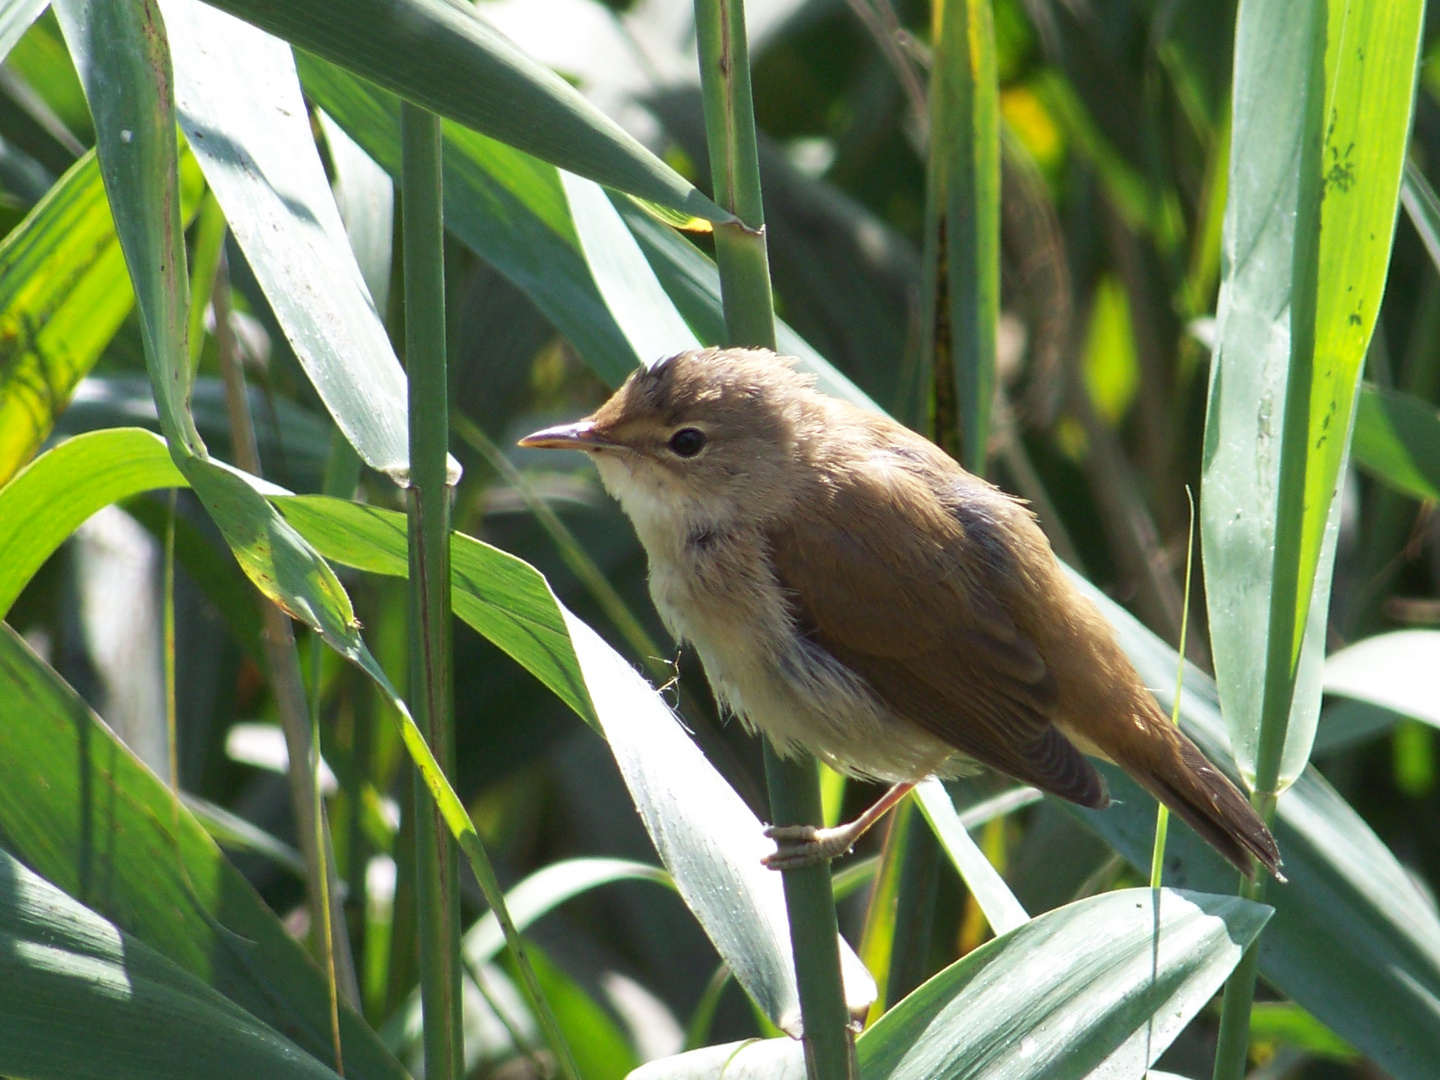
(854, 592)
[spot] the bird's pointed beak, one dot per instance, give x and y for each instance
(580, 435)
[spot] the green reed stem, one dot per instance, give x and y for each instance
(428, 503)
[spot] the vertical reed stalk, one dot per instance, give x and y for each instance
(740, 252)
(428, 505)
(327, 918)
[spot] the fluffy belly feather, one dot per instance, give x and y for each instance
(794, 692)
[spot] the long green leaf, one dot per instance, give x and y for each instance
(80, 998)
(1002, 910)
(451, 61)
(81, 809)
(1354, 63)
(240, 106)
(1370, 53)
(626, 282)
(119, 52)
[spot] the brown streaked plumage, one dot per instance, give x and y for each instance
(854, 592)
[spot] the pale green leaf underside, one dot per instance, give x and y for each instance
(1371, 60)
(1399, 671)
(1097, 989)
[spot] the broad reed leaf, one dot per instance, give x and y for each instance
(1292, 312)
(63, 294)
(1097, 989)
(1352, 941)
(1002, 910)
(626, 282)
(80, 998)
(82, 810)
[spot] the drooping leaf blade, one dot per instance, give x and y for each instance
(240, 107)
(451, 61)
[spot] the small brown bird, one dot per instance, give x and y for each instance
(855, 593)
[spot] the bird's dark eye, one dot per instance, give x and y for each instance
(688, 441)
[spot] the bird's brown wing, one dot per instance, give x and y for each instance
(921, 614)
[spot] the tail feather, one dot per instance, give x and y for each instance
(1203, 797)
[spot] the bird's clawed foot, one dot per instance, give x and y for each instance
(805, 845)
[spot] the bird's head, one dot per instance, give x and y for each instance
(698, 438)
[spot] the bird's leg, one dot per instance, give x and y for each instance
(805, 845)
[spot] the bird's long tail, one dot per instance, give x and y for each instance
(1204, 798)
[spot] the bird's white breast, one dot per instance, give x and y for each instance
(715, 587)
